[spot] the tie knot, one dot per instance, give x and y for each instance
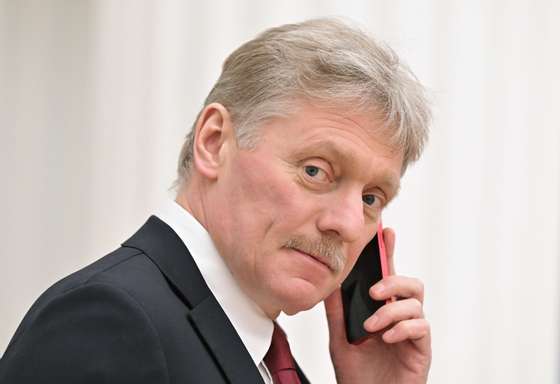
(279, 359)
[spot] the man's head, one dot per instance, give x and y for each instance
(299, 146)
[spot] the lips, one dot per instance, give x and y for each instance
(319, 259)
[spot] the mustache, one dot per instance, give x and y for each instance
(327, 249)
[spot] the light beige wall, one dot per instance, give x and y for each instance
(96, 96)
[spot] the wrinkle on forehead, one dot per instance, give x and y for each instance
(374, 120)
(372, 127)
(368, 125)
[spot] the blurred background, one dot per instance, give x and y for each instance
(97, 96)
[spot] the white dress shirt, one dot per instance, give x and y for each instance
(252, 325)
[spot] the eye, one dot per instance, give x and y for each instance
(316, 173)
(369, 199)
(312, 170)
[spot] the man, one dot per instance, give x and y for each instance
(298, 148)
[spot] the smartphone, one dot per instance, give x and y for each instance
(358, 305)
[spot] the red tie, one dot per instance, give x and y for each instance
(279, 359)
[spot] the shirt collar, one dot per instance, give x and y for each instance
(249, 320)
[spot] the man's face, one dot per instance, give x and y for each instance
(291, 216)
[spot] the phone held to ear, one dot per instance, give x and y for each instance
(358, 305)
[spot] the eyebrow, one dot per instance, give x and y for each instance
(345, 155)
(331, 148)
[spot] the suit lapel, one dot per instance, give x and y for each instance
(302, 378)
(214, 328)
(164, 247)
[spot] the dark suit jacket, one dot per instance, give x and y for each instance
(142, 314)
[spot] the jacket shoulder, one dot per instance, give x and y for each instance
(87, 327)
(89, 333)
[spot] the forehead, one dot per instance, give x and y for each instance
(313, 124)
(368, 125)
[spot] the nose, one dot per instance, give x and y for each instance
(343, 214)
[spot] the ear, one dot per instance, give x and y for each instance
(214, 133)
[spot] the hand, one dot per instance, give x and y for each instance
(399, 349)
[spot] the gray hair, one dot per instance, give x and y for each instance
(323, 61)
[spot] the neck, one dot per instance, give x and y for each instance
(186, 198)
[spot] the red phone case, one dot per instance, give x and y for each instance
(382, 252)
(383, 255)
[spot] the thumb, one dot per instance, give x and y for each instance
(335, 318)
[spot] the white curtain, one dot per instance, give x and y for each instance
(96, 97)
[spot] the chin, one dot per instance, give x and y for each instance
(301, 295)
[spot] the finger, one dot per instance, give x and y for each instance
(335, 317)
(400, 286)
(393, 313)
(415, 329)
(389, 240)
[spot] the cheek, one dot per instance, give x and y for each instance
(255, 198)
(268, 190)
